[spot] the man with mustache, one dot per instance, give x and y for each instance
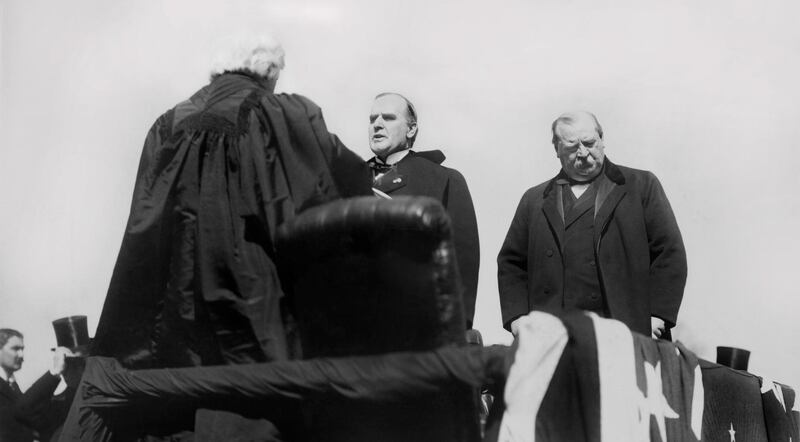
(12, 355)
(15, 405)
(397, 170)
(598, 237)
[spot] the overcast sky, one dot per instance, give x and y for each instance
(704, 94)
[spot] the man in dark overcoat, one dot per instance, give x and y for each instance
(39, 407)
(597, 237)
(12, 355)
(398, 170)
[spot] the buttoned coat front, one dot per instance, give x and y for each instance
(421, 174)
(637, 244)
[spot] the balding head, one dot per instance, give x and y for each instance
(392, 124)
(570, 118)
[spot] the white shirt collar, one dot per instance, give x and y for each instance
(5, 376)
(395, 157)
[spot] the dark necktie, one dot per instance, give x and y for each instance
(14, 386)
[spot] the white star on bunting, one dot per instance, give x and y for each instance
(654, 403)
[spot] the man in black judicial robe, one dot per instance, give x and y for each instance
(195, 281)
(397, 170)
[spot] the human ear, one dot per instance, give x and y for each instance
(412, 130)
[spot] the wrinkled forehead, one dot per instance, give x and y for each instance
(577, 129)
(390, 104)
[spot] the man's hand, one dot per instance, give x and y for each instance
(657, 327)
(59, 360)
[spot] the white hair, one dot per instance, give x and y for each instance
(258, 54)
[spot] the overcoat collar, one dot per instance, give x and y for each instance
(610, 170)
(394, 179)
(609, 193)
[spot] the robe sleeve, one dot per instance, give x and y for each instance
(130, 303)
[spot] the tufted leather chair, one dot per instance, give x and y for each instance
(369, 276)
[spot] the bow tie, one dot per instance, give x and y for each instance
(573, 182)
(379, 167)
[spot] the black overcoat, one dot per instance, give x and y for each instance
(638, 249)
(420, 173)
(11, 428)
(41, 410)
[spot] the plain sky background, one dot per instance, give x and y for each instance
(703, 93)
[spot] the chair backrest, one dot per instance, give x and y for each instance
(370, 276)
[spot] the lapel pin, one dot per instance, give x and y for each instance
(397, 180)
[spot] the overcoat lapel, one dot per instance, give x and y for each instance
(554, 212)
(609, 194)
(5, 390)
(390, 181)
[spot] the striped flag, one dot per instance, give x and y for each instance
(580, 377)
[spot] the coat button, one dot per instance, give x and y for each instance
(593, 296)
(549, 253)
(592, 263)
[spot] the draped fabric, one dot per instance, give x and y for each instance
(781, 411)
(195, 281)
(114, 402)
(613, 385)
(733, 407)
(579, 377)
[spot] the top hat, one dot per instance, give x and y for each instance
(733, 357)
(72, 332)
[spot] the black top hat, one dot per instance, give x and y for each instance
(733, 357)
(72, 332)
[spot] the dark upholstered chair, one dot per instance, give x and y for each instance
(369, 276)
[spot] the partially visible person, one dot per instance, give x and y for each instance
(38, 407)
(597, 237)
(12, 355)
(398, 170)
(195, 282)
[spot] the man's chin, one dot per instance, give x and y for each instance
(587, 173)
(378, 150)
(384, 151)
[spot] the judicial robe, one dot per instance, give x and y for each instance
(195, 282)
